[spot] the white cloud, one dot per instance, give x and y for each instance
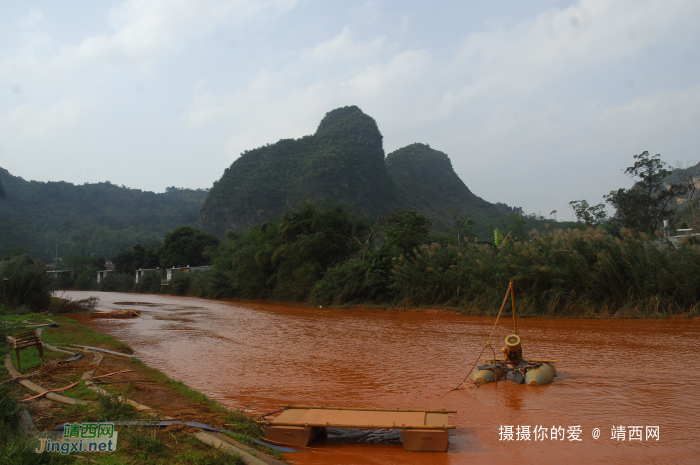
(28, 121)
(142, 33)
(533, 113)
(339, 54)
(342, 48)
(31, 19)
(518, 103)
(143, 30)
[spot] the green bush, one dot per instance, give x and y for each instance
(285, 259)
(27, 284)
(247, 260)
(351, 281)
(180, 283)
(559, 273)
(85, 282)
(64, 281)
(212, 284)
(9, 410)
(113, 408)
(117, 282)
(149, 283)
(15, 447)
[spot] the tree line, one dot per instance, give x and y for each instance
(658, 193)
(326, 255)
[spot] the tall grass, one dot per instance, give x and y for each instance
(560, 273)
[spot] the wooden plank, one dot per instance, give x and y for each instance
(292, 435)
(530, 359)
(323, 407)
(424, 440)
(291, 416)
(329, 425)
(359, 417)
(435, 419)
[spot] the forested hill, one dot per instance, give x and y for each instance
(40, 216)
(428, 182)
(343, 161)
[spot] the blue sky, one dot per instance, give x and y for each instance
(537, 103)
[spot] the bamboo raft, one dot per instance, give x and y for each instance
(421, 430)
(118, 314)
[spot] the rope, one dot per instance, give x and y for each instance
(488, 343)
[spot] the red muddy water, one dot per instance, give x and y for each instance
(257, 355)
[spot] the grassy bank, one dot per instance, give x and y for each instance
(144, 385)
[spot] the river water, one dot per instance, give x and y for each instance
(616, 373)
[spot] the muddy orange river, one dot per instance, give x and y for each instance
(632, 375)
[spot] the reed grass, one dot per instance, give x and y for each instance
(574, 273)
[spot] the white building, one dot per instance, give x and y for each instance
(102, 274)
(170, 272)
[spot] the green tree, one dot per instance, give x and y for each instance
(366, 234)
(16, 234)
(134, 259)
(85, 268)
(644, 205)
(405, 229)
(26, 284)
(314, 239)
(513, 227)
(686, 179)
(186, 246)
(462, 227)
(592, 215)
(81, 239)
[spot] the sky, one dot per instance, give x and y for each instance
(537, 103)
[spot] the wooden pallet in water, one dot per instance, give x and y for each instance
(116, 314)
(421, 430)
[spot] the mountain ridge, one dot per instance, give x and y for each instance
(343, 161)
(42, 216)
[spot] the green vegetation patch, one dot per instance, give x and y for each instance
(137, 445)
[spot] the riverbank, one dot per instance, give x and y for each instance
(140, 384)
(647, 309)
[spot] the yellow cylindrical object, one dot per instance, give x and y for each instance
(514, 349)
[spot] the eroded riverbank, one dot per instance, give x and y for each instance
(616, 372)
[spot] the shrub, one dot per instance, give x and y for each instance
(84, 282)
(180, 284)
(559, 273)
(68, 305)
(350, 281)
(149, 283)
(27, 284)
(117, 282)
(15, 447)
(64, 281)
(212, 284)
(285, 259)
